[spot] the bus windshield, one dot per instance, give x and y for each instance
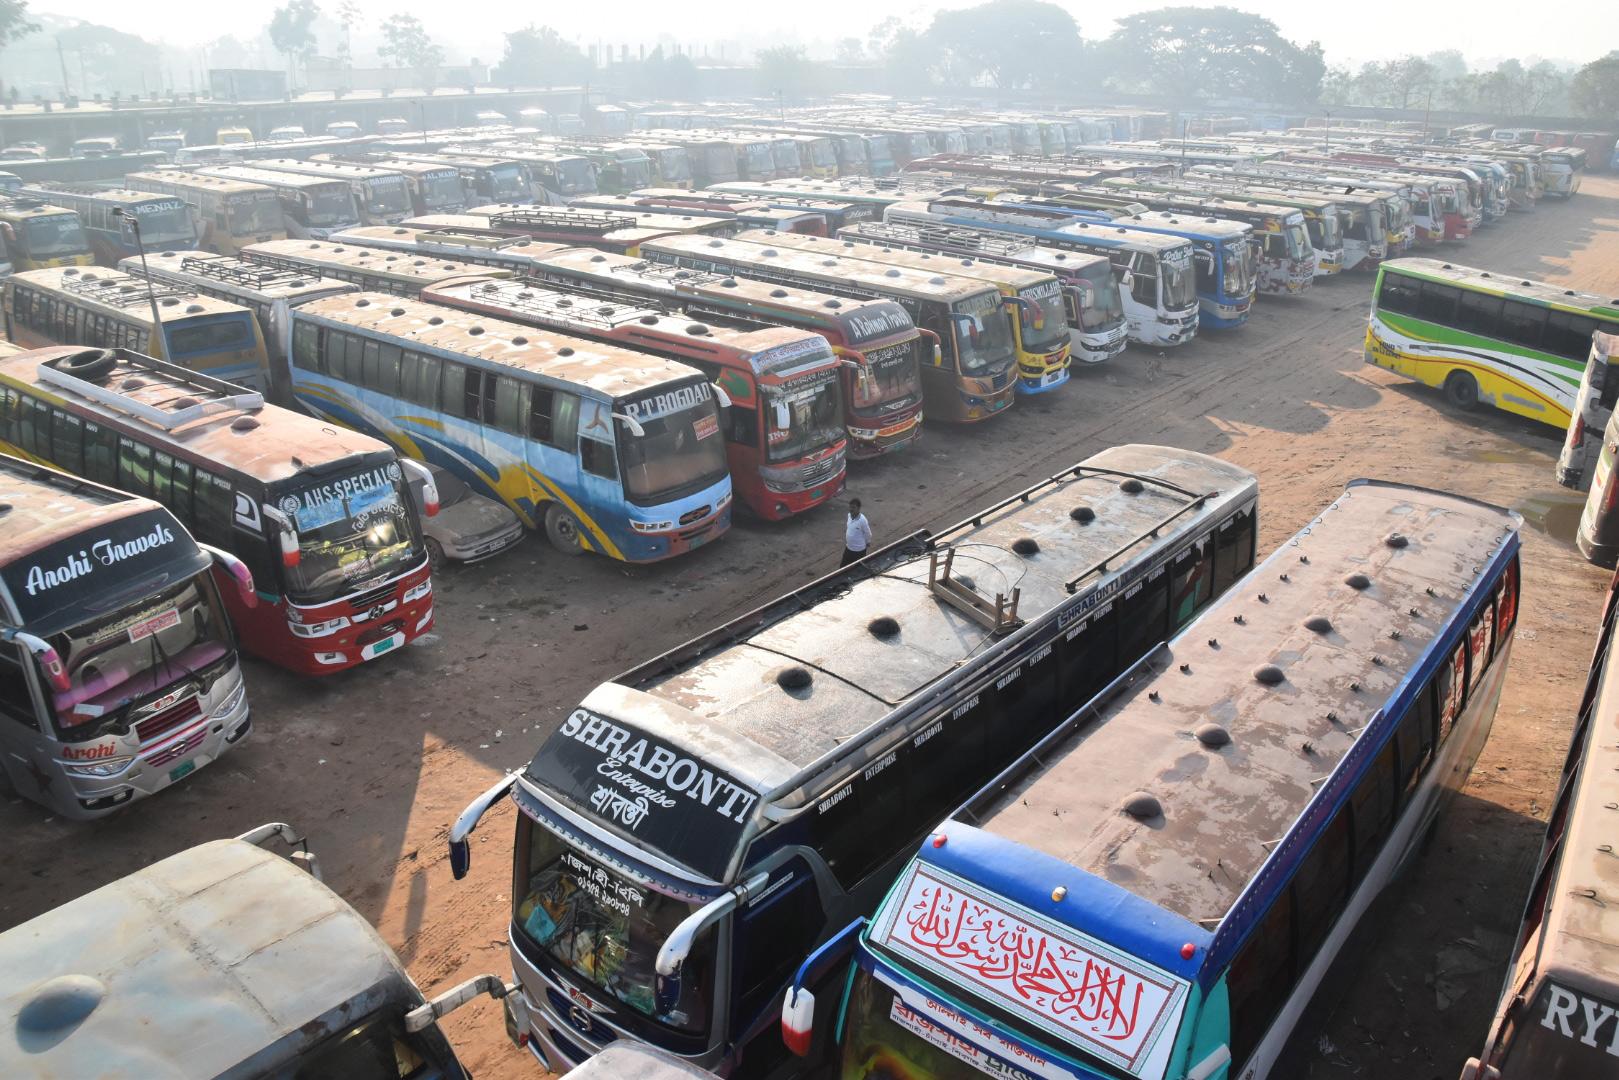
(1178, 280)
(1053, 330)
(605, 928)
(113, 659)
(1239, 268)
(802, 415)
(1297, 238)
(681, 451)
(1104, 307)
(1332, 236)
(330, 206)
(58, 234)
(760, 163)
(164, 222)
(250, 214)
(387, 195)
(440, 191)
(983, 342)
(508, 183)
(889, 381)
(574, 176)
(349, 528)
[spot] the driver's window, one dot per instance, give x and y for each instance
(16, 698)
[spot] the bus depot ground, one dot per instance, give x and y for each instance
(375, 764)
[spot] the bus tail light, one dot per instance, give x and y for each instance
(240, 574)
(798, 1021)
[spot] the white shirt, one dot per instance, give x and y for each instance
(857, 533)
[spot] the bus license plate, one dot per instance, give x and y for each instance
(1052, 377)
(377, 648)
(181, 769)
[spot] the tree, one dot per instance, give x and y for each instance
(1408, 79)
(347, 12)
(406, 44)
(1008, 44)
(1188, 54)
(850, 50)
(908, 61)
(1594, 90)
(665, 78)
(786, 70)
(14, 21)
(292, 31)
(539, 56)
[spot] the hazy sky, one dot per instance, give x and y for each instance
(1576, 30)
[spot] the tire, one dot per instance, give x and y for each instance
(564, 530)
(1461, 390)
(435, 555)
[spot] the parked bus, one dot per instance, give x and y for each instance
(484, 178)
(606, 450)
(312, 207)
(1322, 223)
(106, 216)
(1158, 280)
(38, 235)
(769, 778)
(370, 268)
(290, 980)
(1161, 886)
(1364, 217)
(320, 517)
(621, 232)
(784, 429)
(433, 188)
(745, 212)
(618, 167)
(463, 244)
(882, 349)
(1563, 169)
(227, 213)
(862, 190)
(1224, 252)
(1436, 204)
(1516, 344)
(382, 196)
(269, 292)
(973, 373)
(671, 164)
(118, 667)
(110, 309)
(1032, 299)
(554, 174)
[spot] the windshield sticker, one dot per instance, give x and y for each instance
(704, 426)
(960, 1048)
(608, 890)
(161, 621)
(669, 401)
(886, 319)
(666, 798)
(979, 306)
(1070, 986)
(326, 503)
(71, 570)
(1049, 290)
(814, 348)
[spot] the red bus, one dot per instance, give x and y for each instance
(784, 428)
(321, 516)
(882, 384)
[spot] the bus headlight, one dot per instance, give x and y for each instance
(651, 526)
(109, 767)
(419, 591)
(320, 629)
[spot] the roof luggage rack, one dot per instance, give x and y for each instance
(597, 222)
(92, 374)
(242, 272)
(123, 290)
(566, 306)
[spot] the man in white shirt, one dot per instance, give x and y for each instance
(856, 535)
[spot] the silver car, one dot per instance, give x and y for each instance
(467, 527)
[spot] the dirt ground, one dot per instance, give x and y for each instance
(375, 764)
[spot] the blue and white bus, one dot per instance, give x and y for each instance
(607, 450)
(1159, 888)
(1158, 283)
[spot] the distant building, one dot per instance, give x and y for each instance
(246, 84)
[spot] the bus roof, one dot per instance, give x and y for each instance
(342, 170)
(250, 279)
(223, 940)
(610, 222)
(720, 693)
(1055, 221)
(1502, 285)
(864, 273)
(1000, 275)
(261, 441)
(15, 209)
(424, 268)
(183, 178)
(414, 168)
(115, 291)
(1227, 813)
(980, 243)
(605, 370)
(270, 177)
(120, 196)
(40, 506)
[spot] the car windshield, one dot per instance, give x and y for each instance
(606, 929)
(1177, 279)
(984, 344)
(352, 528)
(117, 658)
(442, 192)
(166, 223)
(52, 236)
(509, 182)
(1053, 328)
(451, 488)
(890, 380)
(331, 205)
(1239, 268)
(1103, 307)
(681, 450)
(250, 214)
(802, 415)
(387, 195)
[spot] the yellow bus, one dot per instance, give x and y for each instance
(228, 213)
(108, 309)
(37, 235)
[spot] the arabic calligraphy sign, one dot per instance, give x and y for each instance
(1069, 985)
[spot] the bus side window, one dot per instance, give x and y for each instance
(135, 467)
(1321, 888)
(1143, 616)
(1569, 336)
(162, 478)
(16, 699)
(1414, 739)
(38, 431)
(101, 454)
(1371, 806)
(1144, 284)
(742, 425)
(1087, 653)
(1479, 313)
(1189, 582)
(211, 507)
(67, 441)
(1450, 687)
(1261, 977)
(1521, 324)
(305, 346)
(1438, 303)
(596, 457)
(1479, 642)
(8, 414)
(1399, 294)
(511, 403)
(1234, 549)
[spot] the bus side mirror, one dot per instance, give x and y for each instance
(239, 573)
(784, 416)
(798, 1021)
(429, 489)
(460, 846)
(724, 398)
(286, 535)
(49, 660)
(630, 422)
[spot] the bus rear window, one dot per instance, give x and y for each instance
(219, 334)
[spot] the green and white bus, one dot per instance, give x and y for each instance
(1486, 337)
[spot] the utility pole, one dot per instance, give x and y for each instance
(62, 58)
(134, 224)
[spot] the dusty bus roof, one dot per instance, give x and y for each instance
(420, 232)
(335, 259)
(834, 270)
(20, 209)
(979, 242)
(113, 291)
(999, 275)
(39, 506)
(203, 959)
(634, 218)
(1503, 285)
(268, 443)
(725, 698)
(182, 178)
(1056, 221)
(1224, 810)
(339, 170)
(606, 370)
(270, 177)
(415, 168)
(202, 270)
(121, 196)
